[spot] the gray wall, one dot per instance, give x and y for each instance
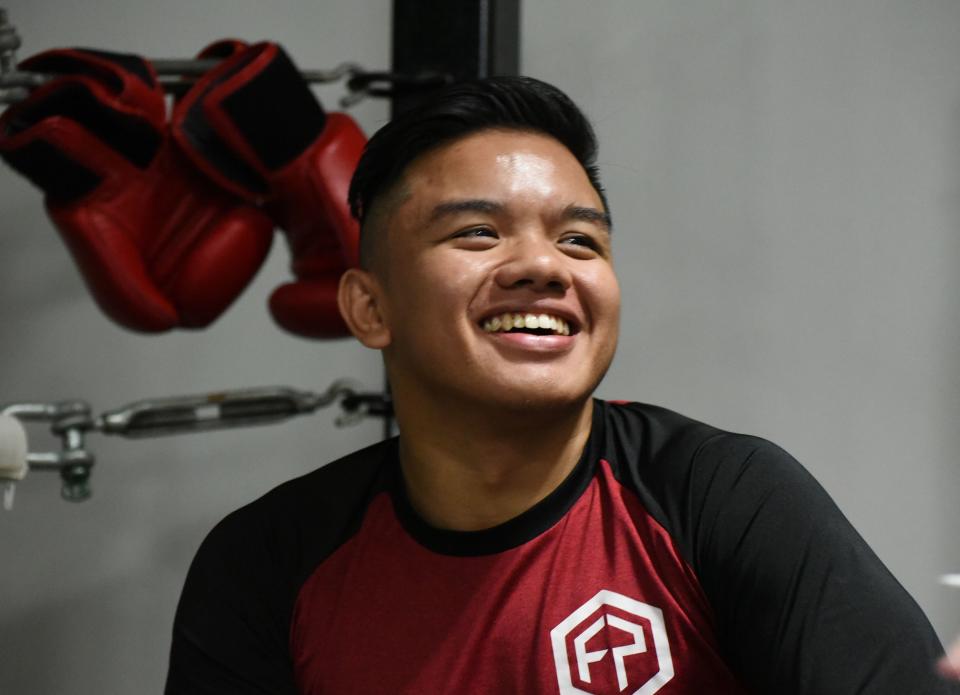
(785, 180)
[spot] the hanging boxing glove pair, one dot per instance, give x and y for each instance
(253, 126)
(168, 222)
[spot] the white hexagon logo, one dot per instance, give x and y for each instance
(584, 630)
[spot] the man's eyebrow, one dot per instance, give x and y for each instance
(490, 207)
(454, 207)
(592, 215)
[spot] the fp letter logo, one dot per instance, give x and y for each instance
(613, 619)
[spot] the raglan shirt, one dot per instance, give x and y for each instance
(675, 558)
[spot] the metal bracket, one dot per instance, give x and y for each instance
(70, 420)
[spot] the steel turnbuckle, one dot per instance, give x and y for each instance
(71, 421)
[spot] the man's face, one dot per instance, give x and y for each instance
(492, 228)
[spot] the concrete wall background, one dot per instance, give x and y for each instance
(785, 181)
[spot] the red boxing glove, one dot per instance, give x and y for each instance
(158, 245)
(253, 126)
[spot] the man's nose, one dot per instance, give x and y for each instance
(536, 264)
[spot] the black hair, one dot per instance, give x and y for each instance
(507, 103)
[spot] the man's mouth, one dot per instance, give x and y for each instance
(534, 324)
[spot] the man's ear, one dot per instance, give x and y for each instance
(359, 298)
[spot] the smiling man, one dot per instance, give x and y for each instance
(520, 536)
(492, 294)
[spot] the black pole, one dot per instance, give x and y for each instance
(465, 39)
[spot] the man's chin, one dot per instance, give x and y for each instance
(523, 401)
(517, 396)
(541, 389)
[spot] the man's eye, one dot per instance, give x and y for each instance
(581, 240)
(475, 233)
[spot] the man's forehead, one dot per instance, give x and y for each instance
(504, 148)
(494, 165)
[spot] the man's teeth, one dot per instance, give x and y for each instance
(506, 322)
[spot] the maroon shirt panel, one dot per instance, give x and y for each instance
(600, 602)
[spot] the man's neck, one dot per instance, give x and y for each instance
(468, 471)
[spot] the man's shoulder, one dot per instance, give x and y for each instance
(305, 518)
(678, 465)
(642, 433)
(689, 475)
(353, 473)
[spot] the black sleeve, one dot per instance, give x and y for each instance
(803, 605)
(231, 633)
(231, 628)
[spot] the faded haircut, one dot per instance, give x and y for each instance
(495, 103)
